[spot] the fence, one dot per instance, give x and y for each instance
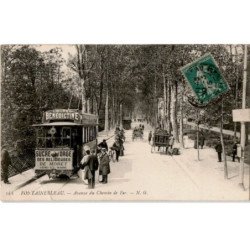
(20, 163)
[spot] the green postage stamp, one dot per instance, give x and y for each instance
(205, 79)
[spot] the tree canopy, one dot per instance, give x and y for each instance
(134, 76)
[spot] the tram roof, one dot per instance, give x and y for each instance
(58, 124)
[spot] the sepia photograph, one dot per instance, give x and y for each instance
(99, 122)
(124, 124)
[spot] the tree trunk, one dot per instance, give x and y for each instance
(84, 101)
(155, 103)
(113, 112)
(181, 119)
(100, 91)
(164, 96)
(97, 127)
(174, 111)
(236, 92)
(81, 64)
(222, 143)
(106, 124)
(168, 97)
(88, 105)
(92, 105)
(117, 112)
(121, 125)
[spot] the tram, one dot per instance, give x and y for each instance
(60, 141)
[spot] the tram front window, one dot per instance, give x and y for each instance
(53, 137)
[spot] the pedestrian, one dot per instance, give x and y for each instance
(185, 140)
(104, 167)
(122, 135)
(84, 165)
(117, 130)
(202, 140)
(149, 136)
(218, 149)
(171, 141)
(5, 165)
(93, 166)
(234, 153)
(103, 144)
(117, 147)
(121, 146)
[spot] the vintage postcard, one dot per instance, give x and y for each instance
(125, 122)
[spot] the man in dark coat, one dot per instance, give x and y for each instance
(171, 141)
(104, 168)
(103, 144)
(218, 149)
(117, 147)
(5, 163)
(202, 140)
(93, 166)
(117, 130)
(121, 146)
(234, 151)
(149, 137)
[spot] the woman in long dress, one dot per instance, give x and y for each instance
(185, 140)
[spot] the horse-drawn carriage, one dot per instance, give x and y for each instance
(160, 139)
(137, 133)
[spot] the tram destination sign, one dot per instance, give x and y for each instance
(60, 159)
(61, 115)
(205, 79)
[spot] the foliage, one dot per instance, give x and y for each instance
(31, 84)
(131, 75)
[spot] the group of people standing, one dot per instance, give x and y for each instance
(92, 161)
(118, 146)
(234, 153)
(198, 143)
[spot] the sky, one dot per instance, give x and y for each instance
(66, 49)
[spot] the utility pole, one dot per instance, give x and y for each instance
(243, 124)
